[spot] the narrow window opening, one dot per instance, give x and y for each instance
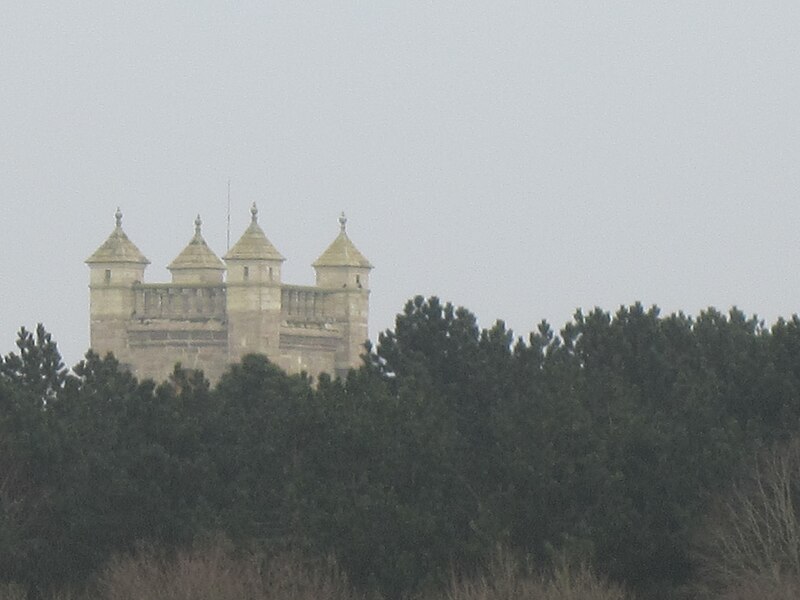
(270, 273)
(246, 273)
(358, 280)
(108, 276)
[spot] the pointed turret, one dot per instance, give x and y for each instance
(344, 272)
(253, 258)
(253, 293)
(118, 249)
(115, 268)
(197, 263)
(117, 261)
(342, 265)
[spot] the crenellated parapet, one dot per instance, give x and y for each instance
(178, 301)
(304, 303)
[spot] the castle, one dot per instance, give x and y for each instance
(214, 312)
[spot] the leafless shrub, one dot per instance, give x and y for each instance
(288, 577)
(506, 579)
(763, 588)
(751, 545)
(215, 573)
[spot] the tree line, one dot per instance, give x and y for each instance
(608, 442)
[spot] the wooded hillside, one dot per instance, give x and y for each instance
(610, 442)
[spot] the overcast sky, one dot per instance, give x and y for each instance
(522, 159)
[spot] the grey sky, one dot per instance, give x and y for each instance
(519, 158)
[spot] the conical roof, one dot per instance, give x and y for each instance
(118, 248)
(342, 252)
(197, 255)
(253, 245)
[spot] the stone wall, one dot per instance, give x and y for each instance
(155, 345)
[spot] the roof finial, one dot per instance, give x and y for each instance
(254, 212)
(118, 217)
(198, 222)
(342, 221)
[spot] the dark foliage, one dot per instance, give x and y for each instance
(604, 443)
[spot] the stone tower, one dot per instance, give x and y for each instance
(253, 293)
(344, 272)
(212, 313)
(114, 268)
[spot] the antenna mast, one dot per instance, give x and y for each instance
(229, 213)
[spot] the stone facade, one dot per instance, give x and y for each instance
(214, 312)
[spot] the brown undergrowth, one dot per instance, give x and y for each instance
(505, 578)
(218, 573)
